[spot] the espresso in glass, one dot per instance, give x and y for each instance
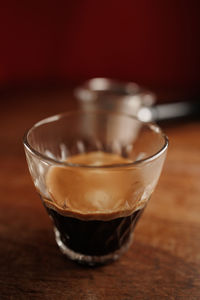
(95, 172)
(91, 211)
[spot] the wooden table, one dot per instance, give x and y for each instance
(162, 263)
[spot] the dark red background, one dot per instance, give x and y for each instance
(155, 43)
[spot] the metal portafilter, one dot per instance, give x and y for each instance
(130, 98)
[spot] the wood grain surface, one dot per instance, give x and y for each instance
(164, 259)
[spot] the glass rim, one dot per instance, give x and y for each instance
(153, 126)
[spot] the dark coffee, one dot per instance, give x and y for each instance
(94, 209)
(94, 237)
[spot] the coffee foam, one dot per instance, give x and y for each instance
(95, 193)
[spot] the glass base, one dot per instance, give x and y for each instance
(90, 260)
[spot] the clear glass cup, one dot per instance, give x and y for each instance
(95, 172)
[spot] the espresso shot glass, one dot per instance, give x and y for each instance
(95, 172)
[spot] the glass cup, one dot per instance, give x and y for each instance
(95, 172)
